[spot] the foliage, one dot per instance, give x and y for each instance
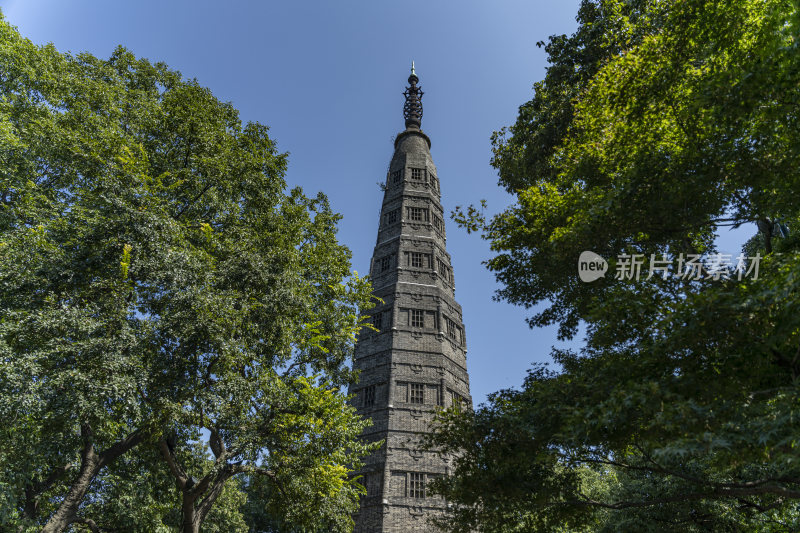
(160, 287)
(658, 123)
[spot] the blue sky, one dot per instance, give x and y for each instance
(327, 78)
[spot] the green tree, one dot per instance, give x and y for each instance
(160, 288)
(658, 124)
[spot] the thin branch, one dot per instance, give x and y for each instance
(762, 508)
(196, 198)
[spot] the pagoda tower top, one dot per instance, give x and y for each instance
(412, 109)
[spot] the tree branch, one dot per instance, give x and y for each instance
(217, 444)
(168, 454)
(191, 203)
(34, 490)
(88, 522)
(216, 489)
(122, 446)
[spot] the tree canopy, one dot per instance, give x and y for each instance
(175, 324)
(658, 124)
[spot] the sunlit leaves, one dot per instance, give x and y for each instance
(658, 125)
(156, 275)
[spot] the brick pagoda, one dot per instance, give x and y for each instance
(416, 362)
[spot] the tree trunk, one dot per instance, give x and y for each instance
(211, 485)
(765, 227)
(191, 520)
(68, 510)
(91, 465)
(31, 508)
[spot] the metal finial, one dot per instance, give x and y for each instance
(412, 110)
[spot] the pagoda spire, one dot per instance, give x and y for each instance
(412, 109)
